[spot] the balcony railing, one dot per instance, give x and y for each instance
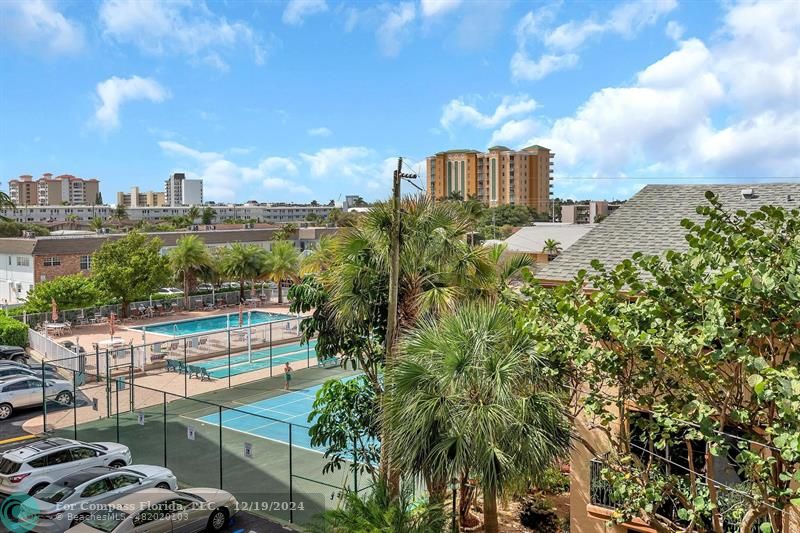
(600, 494)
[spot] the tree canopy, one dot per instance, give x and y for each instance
(130, 267)
(69, 292)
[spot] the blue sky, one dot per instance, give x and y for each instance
(312, 99)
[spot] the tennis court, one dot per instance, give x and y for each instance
(258, 359)
(289, 408)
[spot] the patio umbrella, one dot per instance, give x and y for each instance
(53, 310)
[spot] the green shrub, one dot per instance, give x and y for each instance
(13, 332)
(70, 292)
(553, 481)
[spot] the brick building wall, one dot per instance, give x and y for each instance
(44, 271)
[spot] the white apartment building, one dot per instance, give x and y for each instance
(277, 214)
(192, 192)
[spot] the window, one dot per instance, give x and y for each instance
(86, 262)
(95, 489)
(38, 463)
(83, 453)
(123, 480)
(23, 261)
(52, 261)
(59, 458)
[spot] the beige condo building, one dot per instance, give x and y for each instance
(499, 176)
(141, 199)
(58, 190)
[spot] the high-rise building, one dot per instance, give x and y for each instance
(499, 176)
(49, 190)
(141, 199)
(179, 190)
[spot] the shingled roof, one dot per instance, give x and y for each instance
(650, 223)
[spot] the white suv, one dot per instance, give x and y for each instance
(30, 468)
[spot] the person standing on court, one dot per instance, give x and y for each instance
(287, 375)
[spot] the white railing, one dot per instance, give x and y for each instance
(54, 353)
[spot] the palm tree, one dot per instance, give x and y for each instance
(470, 401)
(552, 248)
(378, 511)
(282, 262)
(475, 212)
(188, 259)
(72, 218)
(193, 213)
(320, 258)
(96, 223)
(242, 262)
(6, 203)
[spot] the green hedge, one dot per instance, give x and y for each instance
(13, 332)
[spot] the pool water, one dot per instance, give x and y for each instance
(212, 323)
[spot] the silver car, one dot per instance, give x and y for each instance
(163, 511)
(68, 501)
(26, 391)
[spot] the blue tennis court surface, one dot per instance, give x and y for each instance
(292, 407)
(259, 359)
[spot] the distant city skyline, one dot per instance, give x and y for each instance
(306, 100)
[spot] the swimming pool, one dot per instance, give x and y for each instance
(211, 323)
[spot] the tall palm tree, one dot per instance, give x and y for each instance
(282, 263)
(193, 213)
(470, 400)
(242, 262)
(320, 258)
(552, 248)
(187, 260)
(72, 218)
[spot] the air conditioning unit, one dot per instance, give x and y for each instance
(18, 287)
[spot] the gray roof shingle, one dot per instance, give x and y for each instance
(650, 223)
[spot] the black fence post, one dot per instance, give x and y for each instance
(74, 407)
(291, 479)
(220, 447)
(355, 465)
(97, 362)
(185, 372)
(117, 401)
(44, 401)
(165, 429)
(108, 388)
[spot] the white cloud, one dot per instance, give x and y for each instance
(432, 8)
(392, 34)
(183, 27)
(214, 60)
(725, 107)
(280, 184)
(115, 91)
(459, 112)
(524, 68)
(222, 178)
(674, 30)
(319, 132)
(38, 26)
(297, 10)
(346, 161)
(563, 41)
(514, 132)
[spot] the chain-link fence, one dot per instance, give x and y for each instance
(251, 439)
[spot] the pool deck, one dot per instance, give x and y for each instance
(87, 335)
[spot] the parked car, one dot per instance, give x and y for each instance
(32, 467)
(205, 287)
(9, 371)
(68, 501)
(13, 353)
(170, 290)
(161, 511)
(4, 363)
(26, 391)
